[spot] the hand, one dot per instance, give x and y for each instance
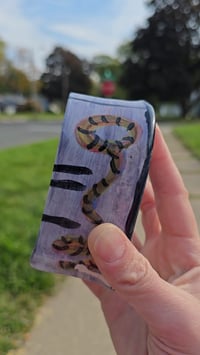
(155, 308)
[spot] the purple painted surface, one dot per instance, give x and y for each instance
(96, 143)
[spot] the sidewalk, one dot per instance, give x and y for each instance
(189, 168)
(71, 322)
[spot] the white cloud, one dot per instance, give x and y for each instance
(20, 32)
(77, 32)
(131, 14)
(102, 34)
(95, 33)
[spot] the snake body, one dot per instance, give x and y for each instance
(87, 137)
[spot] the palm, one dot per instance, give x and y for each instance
(169, 256)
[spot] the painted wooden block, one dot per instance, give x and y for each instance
(98, 176)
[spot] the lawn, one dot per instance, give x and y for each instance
(190, 136)
(25, 173)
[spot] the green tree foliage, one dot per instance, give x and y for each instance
(107, 68)
(12, 80)
(65, 72)
(164, 64)
(124, 51)
(2, 51)
(104, 63)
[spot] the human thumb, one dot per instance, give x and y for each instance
(133, 278)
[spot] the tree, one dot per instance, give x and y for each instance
(108, 69)
(164, 64)
(3, 60)
(65, 72)
(12, 80)
(102, 63)
(124, 51)
(2, 50)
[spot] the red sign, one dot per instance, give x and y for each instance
(108, 88)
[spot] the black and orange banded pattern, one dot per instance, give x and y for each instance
(87, 137)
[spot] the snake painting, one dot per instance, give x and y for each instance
(88, 138)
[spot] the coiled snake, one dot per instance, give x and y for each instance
(87, 138)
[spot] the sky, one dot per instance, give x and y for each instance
(85, 27)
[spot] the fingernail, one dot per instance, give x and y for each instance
(108, 243)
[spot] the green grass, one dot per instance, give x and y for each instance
(190, 136)
(24, 177)
(31, 116)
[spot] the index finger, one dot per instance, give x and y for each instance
(172, 201)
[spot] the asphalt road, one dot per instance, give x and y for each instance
(13, 134)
